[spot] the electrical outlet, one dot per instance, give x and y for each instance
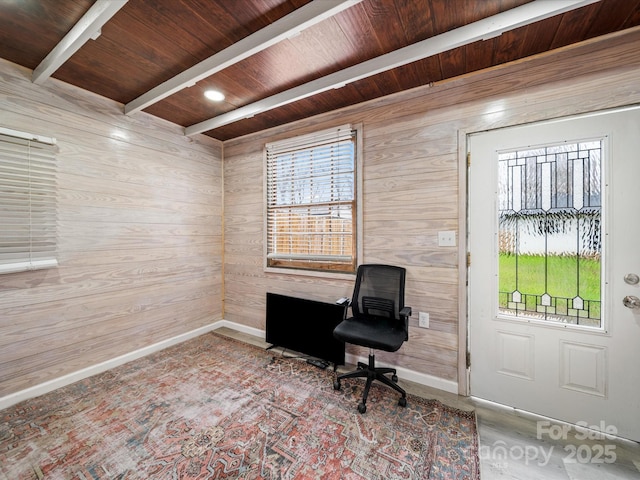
(423, 320)
(447, 239)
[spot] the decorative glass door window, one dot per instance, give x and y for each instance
(550, 233)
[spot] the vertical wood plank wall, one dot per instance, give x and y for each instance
(414, 185)
(139, 232)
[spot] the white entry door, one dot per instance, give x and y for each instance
(554, 239)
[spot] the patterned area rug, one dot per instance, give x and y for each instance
(217, 408)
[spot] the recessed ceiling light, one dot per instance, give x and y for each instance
(214, 95)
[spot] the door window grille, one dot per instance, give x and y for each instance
(550, 233)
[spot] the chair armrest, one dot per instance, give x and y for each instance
(406, 313)
(344, 302)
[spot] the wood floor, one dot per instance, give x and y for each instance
(522, 446)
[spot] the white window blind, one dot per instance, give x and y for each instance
(311, 201)
(27, 202)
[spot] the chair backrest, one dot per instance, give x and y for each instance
(379, 291)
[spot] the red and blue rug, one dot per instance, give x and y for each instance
(214, 408)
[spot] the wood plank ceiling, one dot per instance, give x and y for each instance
(147, 42)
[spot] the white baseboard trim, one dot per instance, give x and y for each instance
(70, 378)
(417, 377)
(238, 327)
(411, 375)
(46, 387)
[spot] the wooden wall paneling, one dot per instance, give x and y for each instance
(243, 212)
(63, 347)
(406, 236)
(28, 321)
(242, 245)
(110, 127)
(412, 161)
(139, 233)
(33, 342)
(42, 366)
(69, 282)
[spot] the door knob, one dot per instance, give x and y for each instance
(631, 301)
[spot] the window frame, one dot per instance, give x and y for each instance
(310, 268)
(29, 237)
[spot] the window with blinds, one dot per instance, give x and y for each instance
(311, 201)
(27, 202)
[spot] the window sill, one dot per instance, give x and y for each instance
(310, 273)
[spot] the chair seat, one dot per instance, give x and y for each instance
(381, 335)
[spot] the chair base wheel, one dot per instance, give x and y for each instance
(385, 375)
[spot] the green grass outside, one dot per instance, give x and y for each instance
(561, 276)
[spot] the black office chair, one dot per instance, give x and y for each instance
(379, 321)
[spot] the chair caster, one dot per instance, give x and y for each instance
(362, 407)
(394, 378)
(336, 384)
(402, 402)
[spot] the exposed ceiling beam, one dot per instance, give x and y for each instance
(282, 29)
(87, 27)
(481, 30)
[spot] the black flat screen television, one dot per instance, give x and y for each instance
(305, 326)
